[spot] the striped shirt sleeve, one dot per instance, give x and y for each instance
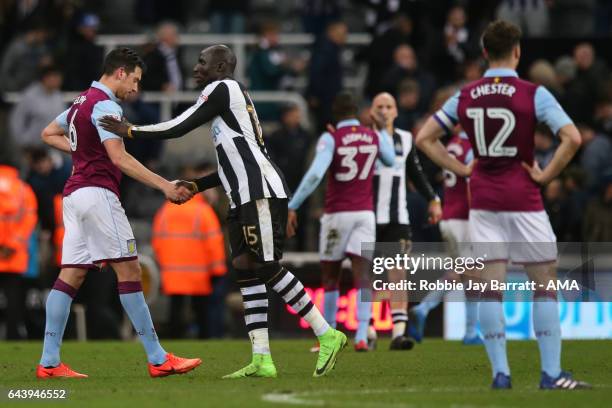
(447, 116)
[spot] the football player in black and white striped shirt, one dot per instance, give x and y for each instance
(258, 199)
(392, 219)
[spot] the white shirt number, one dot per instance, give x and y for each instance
(348, 154)
(496, 148)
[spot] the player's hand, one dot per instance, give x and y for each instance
(177, 194)
(292, 223)
(189, 185)
(536, 173)
(435, 211)
(116, 126)
(467, 169)
(378, 120)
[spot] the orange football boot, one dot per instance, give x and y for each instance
(362, 346)
(174, 365)
(61, 371)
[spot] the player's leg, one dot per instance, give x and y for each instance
(129, 284)
(330, 279)
(75, 262)
(487, 233)
(362, 231)
(538, 251)
(57, 311)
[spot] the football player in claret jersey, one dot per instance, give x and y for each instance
(499, 113)
(348, 155)
(258, 205)
(454, 230)
(97, 229)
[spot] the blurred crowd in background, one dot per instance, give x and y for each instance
(420, 52)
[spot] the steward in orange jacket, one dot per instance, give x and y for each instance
(17, 221)
(189, 247)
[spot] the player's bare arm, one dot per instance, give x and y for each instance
(133, 168)
(55, 136)
(570, 143)
(428, 140)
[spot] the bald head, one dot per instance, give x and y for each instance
(215, 62)
(384, 105)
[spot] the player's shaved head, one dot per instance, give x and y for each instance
(384, 97)
(221, 54)
(215, 62)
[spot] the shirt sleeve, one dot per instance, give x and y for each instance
(105, 108)
(447, 117)
(415, 173)
(62, 119)
(469, 157)
(549, 111)
(386, 151)
(212, 102)
(314, 175)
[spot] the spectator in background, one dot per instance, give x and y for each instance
(455, 45)
(288, 148)
(544, 145)
(268, 66)
(379, 54)
(598, 217)
(556, 206)
(408, 104)
(189, 247)
(317, 14)
(17, 222)
(23, 58)
(542, 72)
(565, 70)
(326, 72)
(405, 66)
(585, 89)
(532, 16)
(228, 16)
(603, 116)
(38, 107)
(572, 18)
(164, 71)
(473, 69)
(83, 57)
(596, 157)
(574, 180)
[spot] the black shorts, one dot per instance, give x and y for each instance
(394, 233)
(258, 227)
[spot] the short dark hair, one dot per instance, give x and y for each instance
(344, 106)
(499, 38)
(48, 70)
(122, 57)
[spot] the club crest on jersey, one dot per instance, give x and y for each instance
(131, 246)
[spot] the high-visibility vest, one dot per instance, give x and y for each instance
(18, 219)
(58, 233)
(188, 244)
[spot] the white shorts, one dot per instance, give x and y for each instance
(525, 237)
(456, 234)
(96, 229)
(342, 233)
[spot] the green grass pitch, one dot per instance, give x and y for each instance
(433, 374)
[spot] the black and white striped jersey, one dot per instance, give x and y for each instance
(391, 183)
(245, 168)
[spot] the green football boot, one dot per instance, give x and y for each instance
(261, 366)
(331, 343)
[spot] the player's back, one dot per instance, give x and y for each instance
(349, 183)
(91, 164)
(456, 202)
(498, 113)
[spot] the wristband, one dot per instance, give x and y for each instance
(435, 200)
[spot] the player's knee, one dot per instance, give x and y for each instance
(73, 277)
(129, 272)
(266, 272)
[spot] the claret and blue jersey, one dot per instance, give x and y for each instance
(499, 113)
